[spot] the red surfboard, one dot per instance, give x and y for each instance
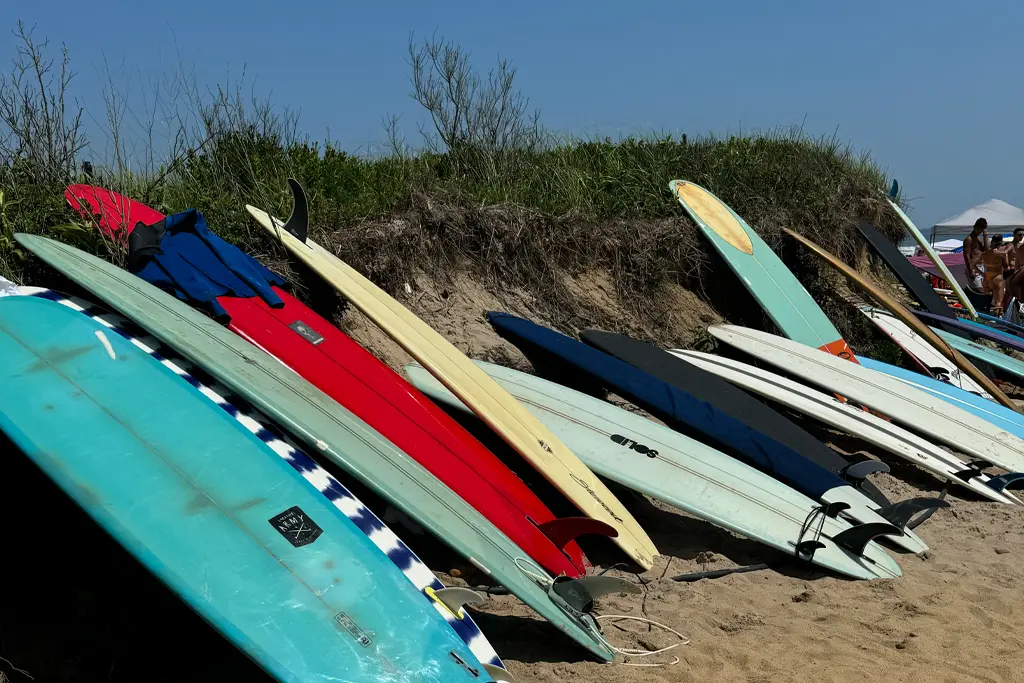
(355, 378)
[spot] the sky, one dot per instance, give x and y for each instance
(931, 89)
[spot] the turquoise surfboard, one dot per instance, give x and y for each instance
(199, 501)
(765, 276)
(997, 359)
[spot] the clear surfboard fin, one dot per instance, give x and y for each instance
(580, 594)
(499, 675)
(455, 598)
(564, 530)
(298, 222)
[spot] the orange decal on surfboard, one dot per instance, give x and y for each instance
(840, 348)
(715, 214)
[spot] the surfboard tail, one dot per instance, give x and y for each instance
(565, 530)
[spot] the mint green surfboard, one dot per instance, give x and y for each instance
(765, 276)
(997, 359)
(326, 427)
(208, 509)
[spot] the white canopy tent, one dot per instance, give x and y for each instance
(1001, 216)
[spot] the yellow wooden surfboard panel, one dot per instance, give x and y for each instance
(485, 397)
(715, 215)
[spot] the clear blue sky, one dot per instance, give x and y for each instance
(932, 89)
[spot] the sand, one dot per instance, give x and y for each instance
(74, 607)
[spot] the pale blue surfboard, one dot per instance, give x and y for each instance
(200, 502)
(995, 413)
(786, 301)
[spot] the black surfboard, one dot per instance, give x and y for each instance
(725, 397)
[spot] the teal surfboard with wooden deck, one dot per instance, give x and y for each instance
(203, 505)
(765, 276)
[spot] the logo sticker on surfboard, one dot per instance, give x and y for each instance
(296, 526)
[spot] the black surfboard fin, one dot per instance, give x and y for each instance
(1012, 480)
(856, 538)
(974, 468)
(499, 675)
(454, 598)
(298, 222)
(564, 530)
(580, 594)
(805, 549)
(833, 509)
(902, 512)
(858, 471)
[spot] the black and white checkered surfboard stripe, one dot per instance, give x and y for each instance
(378, 533)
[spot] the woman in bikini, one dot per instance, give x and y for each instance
(996, 262)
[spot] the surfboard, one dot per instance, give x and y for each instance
(908, 318)
(340, 497)
(980, 352)
(974, 329)
(647, 457)
(513, 423)
(999, 323)
(919, 411)
(858, 423)
(972, 403)
(930, 361)
(765, 276)
(927, 248)
(707, 387)
(201, 503)
(329, 429)
(905, 272)
(571, 362)
(334, 363)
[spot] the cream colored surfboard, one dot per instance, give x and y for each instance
(488, 400)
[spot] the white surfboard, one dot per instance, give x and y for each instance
(862, 424)
(664, 464)
(922, 412)
(921, 351)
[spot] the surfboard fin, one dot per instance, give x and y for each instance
(580, 594)
(455, 598)
(499, 675)
(564, 530)
(858, 471)
(974, 468)
(805, 549)
(856, 538)
(894, 189)
(1012, 480)
(298, 222)
(833, 509)
(902, 512)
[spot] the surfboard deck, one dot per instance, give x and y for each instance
(330, 360)
(908, 318)
(929, 361)
(997, 359)
(320, 423)
(193, 496)
(495, 407)
(772, 284)
(323, 481)
(916, 410)
(973, 329)
(707, 387)
(858, 423)
(659, 462)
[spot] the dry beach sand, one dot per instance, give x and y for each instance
(74, 607)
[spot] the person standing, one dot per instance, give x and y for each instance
(974, 246)
(995, 262)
